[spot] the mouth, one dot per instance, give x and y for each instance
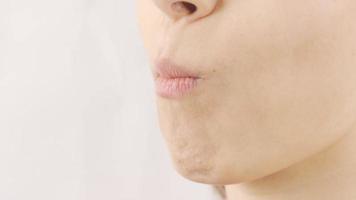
(173, 81)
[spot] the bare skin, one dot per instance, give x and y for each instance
(328, 175)
(275, 116)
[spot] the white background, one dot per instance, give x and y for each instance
(77, 112)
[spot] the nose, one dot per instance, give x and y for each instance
(188, 9)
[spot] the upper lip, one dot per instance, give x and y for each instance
(165, 68)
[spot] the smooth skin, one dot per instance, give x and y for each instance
(274, 117)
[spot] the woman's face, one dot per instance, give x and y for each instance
(280, 82)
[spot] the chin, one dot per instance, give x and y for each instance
(195, 171)
(208, 171)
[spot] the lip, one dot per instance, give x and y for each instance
(174, 81)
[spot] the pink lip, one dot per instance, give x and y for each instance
(173, 81)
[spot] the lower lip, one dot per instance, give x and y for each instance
(175, 87)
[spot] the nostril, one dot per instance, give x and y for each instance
(184, 7)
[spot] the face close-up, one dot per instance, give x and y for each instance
(274, 82)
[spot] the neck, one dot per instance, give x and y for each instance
(328, 175)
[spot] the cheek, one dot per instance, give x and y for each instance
(289, 95)
(290, 57)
